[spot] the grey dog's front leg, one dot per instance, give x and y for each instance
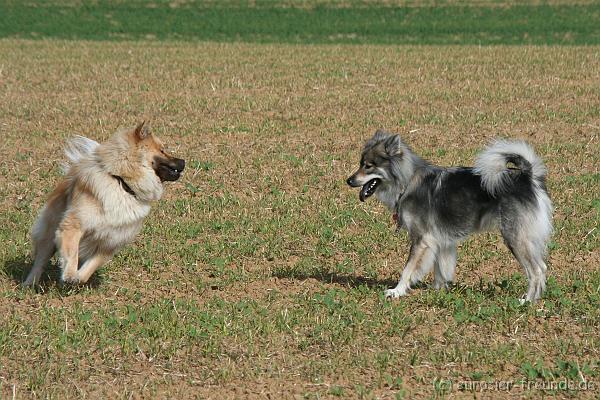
(420, 261)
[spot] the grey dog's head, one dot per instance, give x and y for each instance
(385, 167)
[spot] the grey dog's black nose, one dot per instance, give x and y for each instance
(350, 181)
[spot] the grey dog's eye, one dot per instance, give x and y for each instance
(368, 166)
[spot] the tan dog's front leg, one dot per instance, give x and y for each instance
(91, 265)
(68, 236)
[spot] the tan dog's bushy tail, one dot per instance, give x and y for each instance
(77, 148)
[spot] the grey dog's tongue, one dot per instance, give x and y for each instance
(368, 189)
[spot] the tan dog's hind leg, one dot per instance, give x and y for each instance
(91, 265)
(42, 236)
(44, 232)
(44, 249)
(68, 236)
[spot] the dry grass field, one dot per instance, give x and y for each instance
(260, 274)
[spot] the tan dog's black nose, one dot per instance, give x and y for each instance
(179, 164)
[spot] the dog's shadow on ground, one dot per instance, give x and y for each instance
(18, 268)
(341, 279)
(490, 291)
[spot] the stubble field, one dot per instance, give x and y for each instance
(260, 274)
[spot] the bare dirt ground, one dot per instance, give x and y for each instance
(260, 274)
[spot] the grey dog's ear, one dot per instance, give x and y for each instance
(393, 146)
(380, 135)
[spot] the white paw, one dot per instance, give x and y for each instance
(395, 293)
(524, 300)
(70, 279)
(27, 284)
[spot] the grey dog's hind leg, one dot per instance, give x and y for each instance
(445, 265)
(530, 255)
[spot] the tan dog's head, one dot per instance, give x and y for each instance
(139, 158)
(165, 166)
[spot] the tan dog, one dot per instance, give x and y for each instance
(100, 205)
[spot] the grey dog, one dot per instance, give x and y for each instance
(439, 207)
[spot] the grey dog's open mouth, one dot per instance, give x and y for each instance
(369, 188)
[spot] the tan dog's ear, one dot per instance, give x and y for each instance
(141, 131)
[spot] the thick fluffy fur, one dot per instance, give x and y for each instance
(100, 205)
(442, 206)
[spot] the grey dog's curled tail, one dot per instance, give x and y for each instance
(493, 165)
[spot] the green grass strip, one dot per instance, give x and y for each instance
(538, 24)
